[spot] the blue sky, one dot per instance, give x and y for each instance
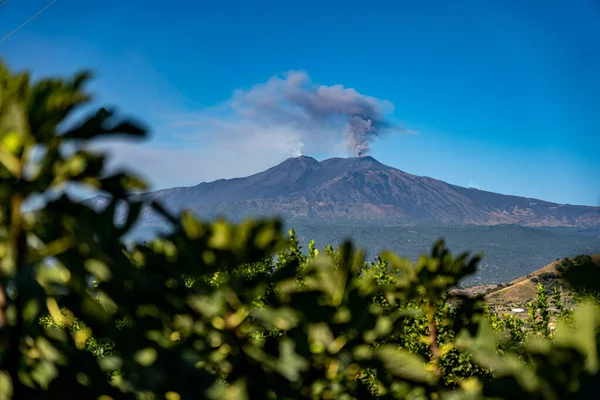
(503, 95)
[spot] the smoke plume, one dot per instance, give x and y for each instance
(294, 102)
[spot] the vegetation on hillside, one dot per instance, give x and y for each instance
(510, 251)
(215, 310)
(519, 292)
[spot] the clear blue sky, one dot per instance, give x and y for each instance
(504, 95)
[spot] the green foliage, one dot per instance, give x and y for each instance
(214, 310)
(559, 303)
(539, 315)
(584, 275)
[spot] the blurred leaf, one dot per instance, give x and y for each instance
(583, 334)
(403, 364)
(146, 357)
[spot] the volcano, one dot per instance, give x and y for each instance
(361, 190)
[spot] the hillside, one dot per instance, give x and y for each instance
(359, 190)
(519, 292)
(510, 251)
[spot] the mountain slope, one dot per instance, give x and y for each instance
(509, 251)
(362, 190)
(519, 292)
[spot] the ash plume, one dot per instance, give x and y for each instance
(296, 103)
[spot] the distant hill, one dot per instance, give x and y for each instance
(360, 190)
(518, 292)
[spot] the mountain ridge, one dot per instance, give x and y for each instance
(362, 190)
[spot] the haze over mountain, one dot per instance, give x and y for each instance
(362, 190)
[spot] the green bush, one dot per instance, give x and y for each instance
(215, 310)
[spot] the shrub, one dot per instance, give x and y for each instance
(547, 277)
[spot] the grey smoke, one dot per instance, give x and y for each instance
(295, 101)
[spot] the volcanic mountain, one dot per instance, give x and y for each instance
(361, 190)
